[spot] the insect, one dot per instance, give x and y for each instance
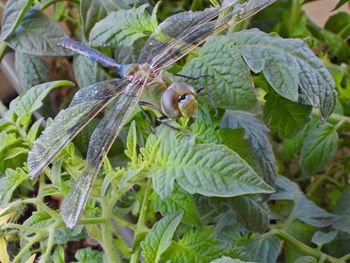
(147, 78)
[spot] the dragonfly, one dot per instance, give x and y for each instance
(147, 78)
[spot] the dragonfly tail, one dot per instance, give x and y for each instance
(88, 52)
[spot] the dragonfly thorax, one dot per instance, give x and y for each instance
(179, 100)
(139, 73)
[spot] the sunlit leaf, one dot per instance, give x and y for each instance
(207, 169)
(9, 183)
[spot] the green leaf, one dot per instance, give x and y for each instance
(33, 131)
(14, 12)
(319, 148)
(7, 140)
(285, 117)
(86, 71)
(304, 209)
(338, 24)
(159, 237)
(178, 200)
(58, 255)
(342, 210)
(197, 245)
(340, 4)
(122, 28)
(64, 235)
(31, 70)
(265, 249)
(229, 80)
(207, 169)
(88, 255)
(10, 182)
(38, 35)
(321, 238)
(92, 11)
(288, 64)
(12, 153)
(39, 220)
(256, 133)
(224, 259)
(24, 105)
(251, 213)
(131, 147)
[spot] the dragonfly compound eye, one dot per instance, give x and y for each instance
(179, 100)
(188, 105)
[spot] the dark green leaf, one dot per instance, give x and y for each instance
(228, 78)
(265, 249)
(159, 237)
(178, 200)
(123, 28)
(285, 117)
(14, 12)
(319, 148)
(304, 209)
(31, 70)
(86, 71)
(38, 35)
(321, 238)
(342, 210)
(256, 133)
(92, 11)
(64, 234)
(251, 213)
(340, 3)
(288, 64)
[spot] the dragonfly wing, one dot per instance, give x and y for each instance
(91, 53)
(171, 28)
(99, 145)
(190, 38)
(86, 104)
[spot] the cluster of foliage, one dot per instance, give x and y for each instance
(218, 194)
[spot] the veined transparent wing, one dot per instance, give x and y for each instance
(190, 38)
(86, 104)
(99, 145)
(176, 27)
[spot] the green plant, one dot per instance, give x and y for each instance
(204, 197)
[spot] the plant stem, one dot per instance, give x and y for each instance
(24, 250)
(305, 248)
(3, 47)
(141, 223)
(123, 222)
(107, 234)
(89, 221)
(50, 244)
(21, 227)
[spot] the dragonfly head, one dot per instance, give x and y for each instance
(179, 100)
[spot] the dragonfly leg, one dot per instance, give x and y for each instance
(189, 77)
(164, 120)
(200, 89)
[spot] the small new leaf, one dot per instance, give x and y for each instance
(319, 148)
(159, 237)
